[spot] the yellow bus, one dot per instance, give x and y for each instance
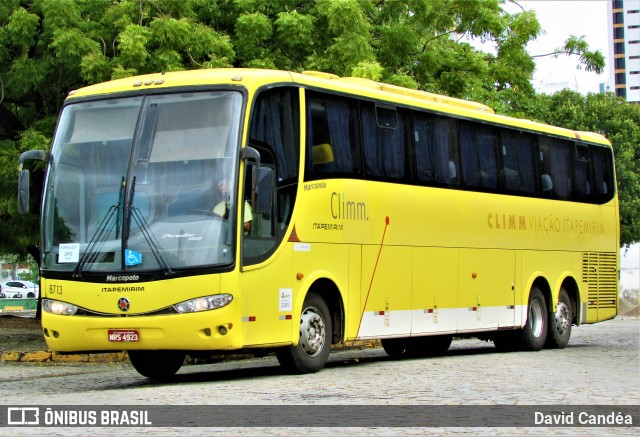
(199, 212)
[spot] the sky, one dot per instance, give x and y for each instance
(559, 20)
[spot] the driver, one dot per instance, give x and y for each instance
(222, 208)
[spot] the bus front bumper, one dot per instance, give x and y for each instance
(207, 330)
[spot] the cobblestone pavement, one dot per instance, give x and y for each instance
(601, 366)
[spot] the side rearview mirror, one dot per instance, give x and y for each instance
(23, 191)
(24, 177)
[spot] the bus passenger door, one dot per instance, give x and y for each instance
(487, 297)
(266, 278)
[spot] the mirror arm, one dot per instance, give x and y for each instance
(248, 153)
(32, 155)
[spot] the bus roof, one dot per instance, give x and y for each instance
(256, 78)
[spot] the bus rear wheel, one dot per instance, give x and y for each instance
(534, 333)
(155, 364)
(560, 322)
(314, 347)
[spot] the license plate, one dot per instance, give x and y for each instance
(123, 335)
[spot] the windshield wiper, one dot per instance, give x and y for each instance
(102, 233)
(132, 211)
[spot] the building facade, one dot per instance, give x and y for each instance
(624, 46)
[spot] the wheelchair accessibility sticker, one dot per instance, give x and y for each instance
(132, 258)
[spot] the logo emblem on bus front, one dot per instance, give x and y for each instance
(123, 304)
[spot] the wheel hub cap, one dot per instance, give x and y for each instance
(312, 332)
(562, 318)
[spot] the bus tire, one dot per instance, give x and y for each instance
(156, 364)
(431, 346)
(560, 322)
(396, 347)
(312, 351)
(534, 333)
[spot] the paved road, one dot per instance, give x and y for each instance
(601, 366)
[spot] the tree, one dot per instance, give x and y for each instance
(49, 47)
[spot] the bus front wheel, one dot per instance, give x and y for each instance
(312, 351)
(560, 322)
(157, 364)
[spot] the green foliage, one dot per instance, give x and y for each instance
(589, 60)
(49, 47)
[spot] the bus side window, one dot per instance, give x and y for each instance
(275, 132)
(582, 172)
(445, 150)
(602, 167)
(384, 132)
(555, 155)
(332, 141)
(518, 151)
(478, 147)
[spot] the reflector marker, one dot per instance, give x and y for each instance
(249, 319)
(285, 317)
(378, 313)
(473, 308)
(511, 307)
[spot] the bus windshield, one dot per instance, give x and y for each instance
(143, 183)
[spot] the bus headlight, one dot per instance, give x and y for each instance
(59, 308)
(203, 303)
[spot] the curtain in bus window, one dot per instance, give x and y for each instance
(383, 147)
(432, 141)
(582, 172)
(422, 142)
(275, 125)
(602, 163)
(478, 145)
(560, 165)
(338, 117)
(445, 150)
(518, 149)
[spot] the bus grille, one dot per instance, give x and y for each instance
(600, 273)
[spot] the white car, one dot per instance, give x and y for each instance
(20, 289)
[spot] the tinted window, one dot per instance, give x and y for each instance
(556, 167)
(275, 124)
(384, 141)
(436, 149)
(332, 137)
(602, 165)
(478, 148)
(518, 152)
(582, 173)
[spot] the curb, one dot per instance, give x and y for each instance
(53, 357)
(122, 357)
